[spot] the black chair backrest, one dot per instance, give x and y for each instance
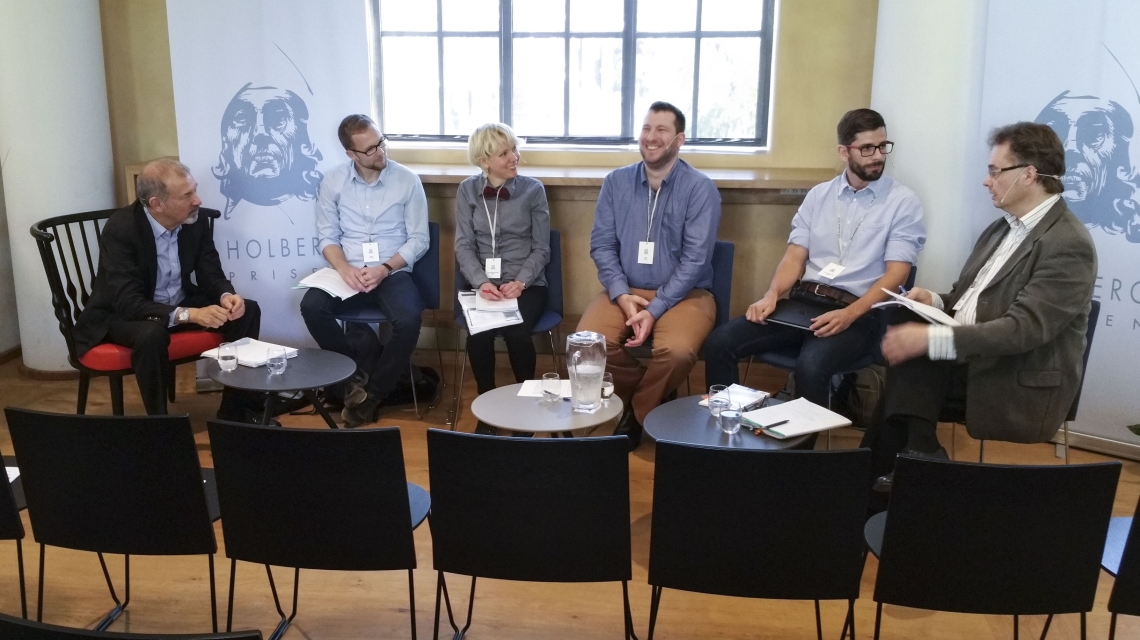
(313, 499)
(1125, 596)
(114, 484)
(1090, 331)
(995, 539)
(69, 250)
(759, 524)
(534, 509)
(11, 526)
(20, 629)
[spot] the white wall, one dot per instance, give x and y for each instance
(929, 59)
(9, 323)
(56, 138)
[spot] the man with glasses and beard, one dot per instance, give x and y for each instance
(852, 237)
(372, 222)
(654, 231)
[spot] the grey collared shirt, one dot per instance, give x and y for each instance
(392, 212)
(522, 231)
(683, 233)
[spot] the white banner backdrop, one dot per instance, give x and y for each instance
(1074, 64)
(259, 89)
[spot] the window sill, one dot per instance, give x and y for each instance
(737, 186)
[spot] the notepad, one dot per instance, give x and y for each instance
(745, 396)
(933, 314)
(802, 417)
(252, 353)
(533, 389)
(329, 281)
(506, 304)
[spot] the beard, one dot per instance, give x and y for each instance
(870, 172)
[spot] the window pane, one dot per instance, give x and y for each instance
(667, 15)
(596, 15)
(539, 15)
(470, 83)
(469, 15)
(411, 85)
(538, 86)
(664, 72)
(731, 15)
(401, 15)
(730, 71)
(595, 86)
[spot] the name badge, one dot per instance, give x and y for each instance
(830, 271)
(371, 251)
(494, 268)
(644, 253)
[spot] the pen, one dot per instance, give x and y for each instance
(902, 290)
(775, 424)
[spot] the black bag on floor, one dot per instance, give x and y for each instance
(426, 384)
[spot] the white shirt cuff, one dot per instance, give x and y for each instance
(940, 343)
(936, 301)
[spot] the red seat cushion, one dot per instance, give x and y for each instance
(183, 344)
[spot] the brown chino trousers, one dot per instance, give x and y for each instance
(677, 338)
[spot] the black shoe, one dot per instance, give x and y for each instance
(356, 389)
(485, 429)
(245, 416)
(885, 483)
(630, 428)
(363, 413)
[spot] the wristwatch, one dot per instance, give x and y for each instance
(388, 267)
(181, 315)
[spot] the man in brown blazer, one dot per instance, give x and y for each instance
(1022, 299)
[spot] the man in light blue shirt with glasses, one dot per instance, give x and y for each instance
(372, 222)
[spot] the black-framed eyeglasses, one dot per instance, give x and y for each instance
(868, 150)
(370, 151)
(997, 171)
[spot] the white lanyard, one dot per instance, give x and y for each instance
(650, 212)
(843, 248)
(494, 224)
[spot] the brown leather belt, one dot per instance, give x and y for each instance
(825, 291)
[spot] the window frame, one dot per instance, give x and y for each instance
(629, 37)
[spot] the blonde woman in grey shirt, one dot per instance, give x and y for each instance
(502, 244)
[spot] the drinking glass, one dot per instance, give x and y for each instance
(277, 360)
(227, 356)
(730, 418)
(607, 386)
(715, 403)
(551, 388)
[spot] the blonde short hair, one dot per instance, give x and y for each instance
(487, 140)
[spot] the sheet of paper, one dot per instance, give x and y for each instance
(739, 393)
(13, 473)
(329, 281)
(479, 321)
(933, 314)
(802, 417)
(252, 353)
(481, 304)
(533, 389)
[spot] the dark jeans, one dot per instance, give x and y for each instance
(149, 341)
(819, 358)
(520, 346)
(398, 299)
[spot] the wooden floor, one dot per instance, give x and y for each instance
(172, 594)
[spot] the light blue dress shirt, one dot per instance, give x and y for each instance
(879, 223)
(168, 283)
(392, 212)
(684, 226)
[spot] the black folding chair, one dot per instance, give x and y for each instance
(17, 629)
(973, 538)
(1122, 560)
(115, 484)
(784, 525)
(11, 527)
(539, 510)
(316, 499)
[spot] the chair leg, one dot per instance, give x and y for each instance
(213, 596)
(1015, 626)
(1065, 426)
(953, 440)
(878, 618)
(116, 381)
(23, 592)
(40, 597)
(441, 588)
(439, 356)
(818, 622)
(1084, 628)
(283, 625)
(654, 606)
(1112, 628)
(415, 397)
(84, 386)
(171, 378)
(747, 368)
(1045, 631)
(114, 614)
(453, 413)
(981, 451)
(230, 604)
(629, 634)
(412, 593)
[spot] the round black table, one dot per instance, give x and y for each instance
(309, 371)
(684, 420)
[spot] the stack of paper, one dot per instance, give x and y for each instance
(252, 353)
(933, 314)
(479, 321)
(533, 389)
(794, 418)
(329, 281)
(745, 396)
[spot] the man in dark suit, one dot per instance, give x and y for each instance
(159, 272)
(1023, 301)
